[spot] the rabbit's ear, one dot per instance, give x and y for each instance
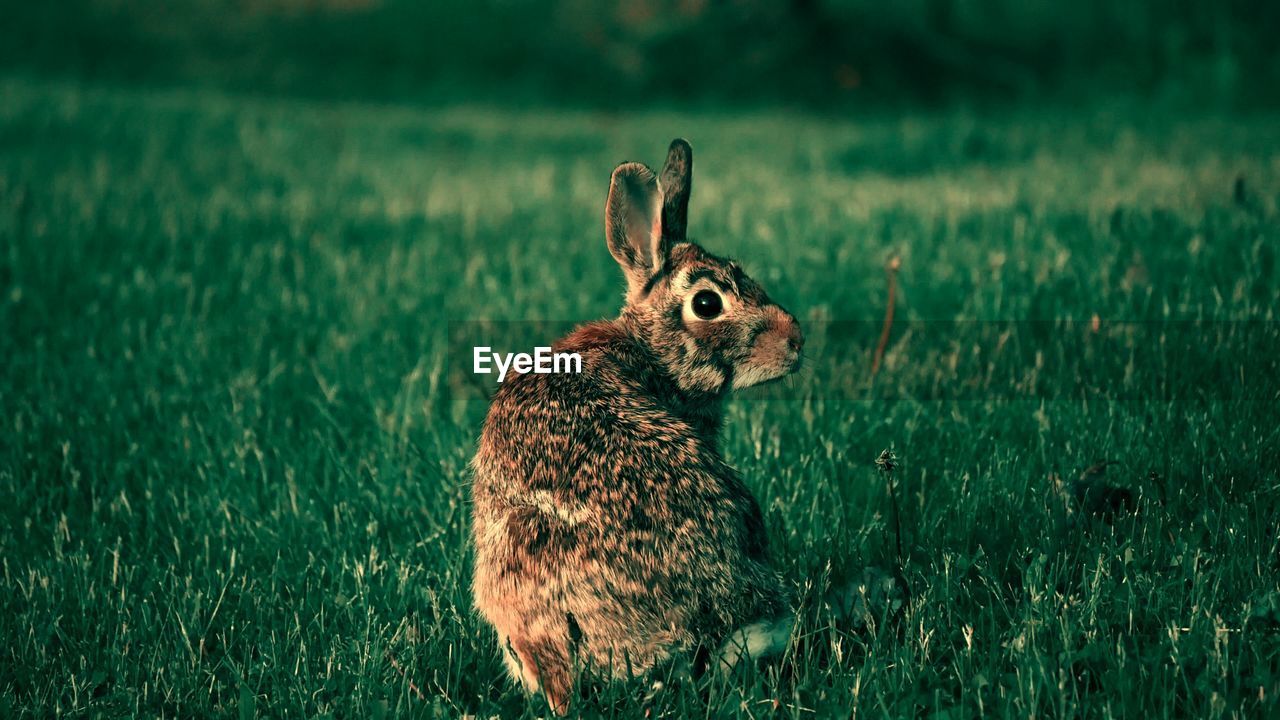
(677, 181)
(633, 224)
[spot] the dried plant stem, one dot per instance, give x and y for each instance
(892, 271)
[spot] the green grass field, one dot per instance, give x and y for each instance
(234, 427)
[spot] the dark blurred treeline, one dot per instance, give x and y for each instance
(821, 53)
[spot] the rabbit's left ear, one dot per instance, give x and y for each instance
(676, 181)
(633, 224)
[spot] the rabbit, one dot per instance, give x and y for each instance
(608, 531)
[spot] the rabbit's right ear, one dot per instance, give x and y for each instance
(633, 224)
(677, 182)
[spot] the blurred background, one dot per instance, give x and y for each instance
(818, 54)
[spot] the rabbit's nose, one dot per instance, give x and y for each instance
(795, 339)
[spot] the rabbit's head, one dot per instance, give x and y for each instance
(710, 325)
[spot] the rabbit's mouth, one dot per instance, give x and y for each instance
(775, 353)
(752, 375)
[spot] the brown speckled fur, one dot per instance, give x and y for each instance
(608, 530)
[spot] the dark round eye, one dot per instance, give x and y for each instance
(707, 304)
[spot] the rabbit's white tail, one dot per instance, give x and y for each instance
(755, 641)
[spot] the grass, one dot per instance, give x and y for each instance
(235, 417)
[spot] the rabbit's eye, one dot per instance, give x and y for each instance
(707, 304)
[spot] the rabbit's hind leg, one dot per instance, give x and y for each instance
(541, 664)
